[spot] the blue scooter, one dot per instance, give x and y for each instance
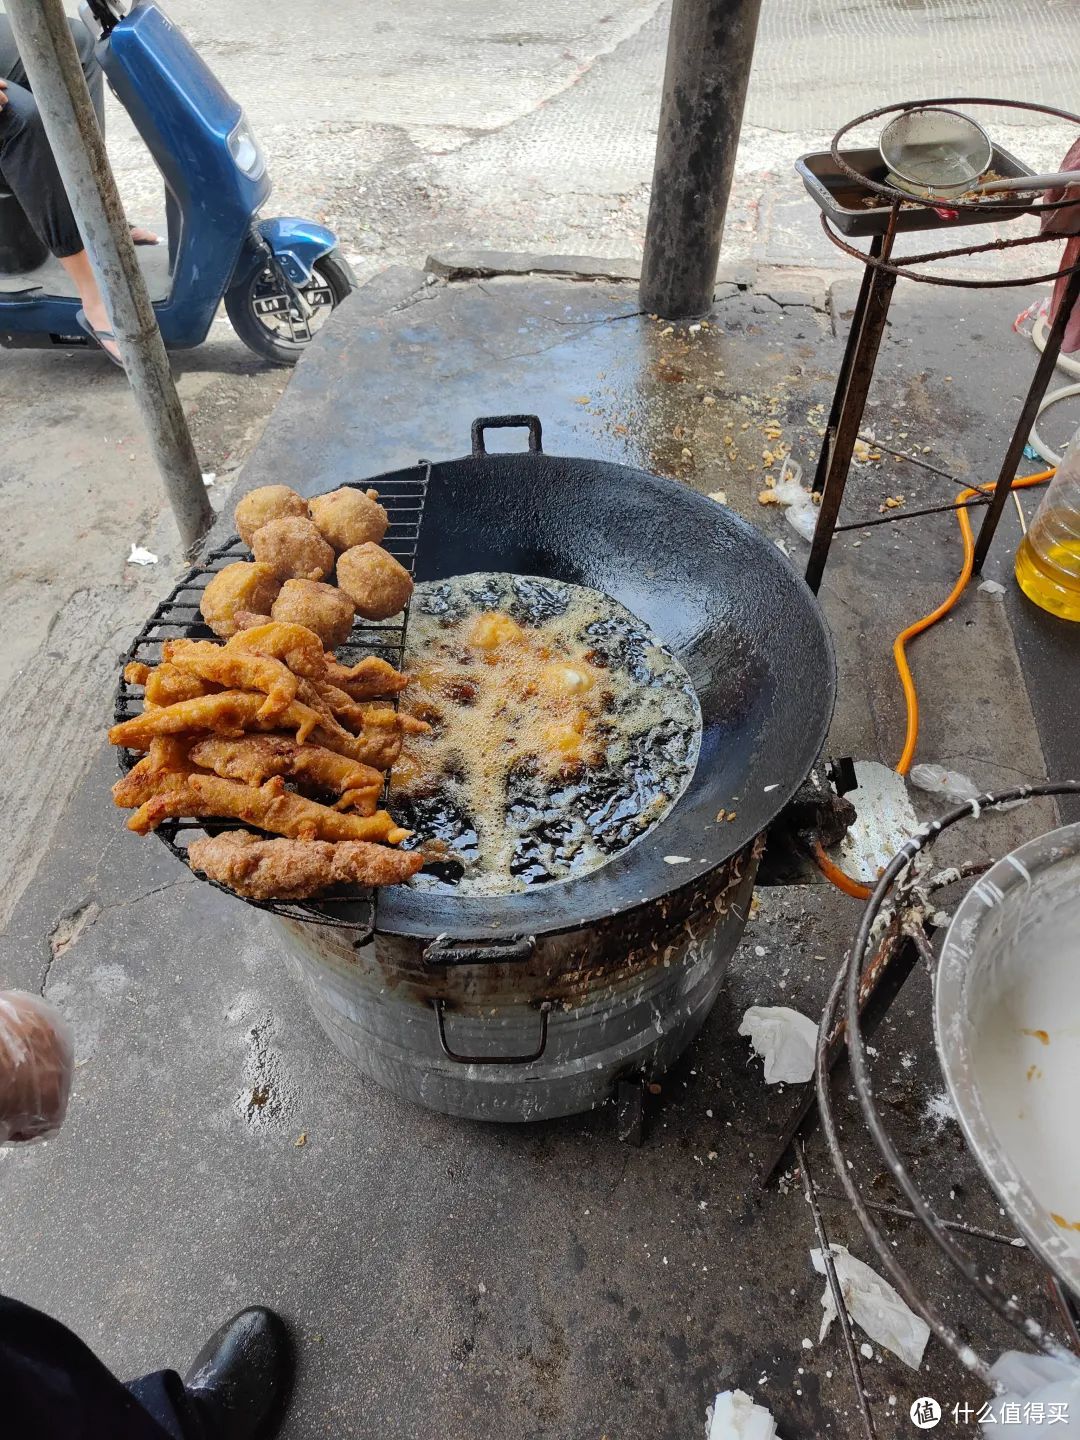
(279, 278)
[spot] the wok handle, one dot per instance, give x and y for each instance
(506, 422)
(479, 952)
(451, 1054)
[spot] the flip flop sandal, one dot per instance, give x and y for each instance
(98, 337)
(133, 228)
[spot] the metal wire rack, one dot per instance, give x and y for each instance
(881, 271)
(901, 896)
(179, 617)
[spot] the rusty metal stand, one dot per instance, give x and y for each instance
(868, 325)
(849, 399)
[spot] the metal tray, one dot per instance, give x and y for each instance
(840, 197)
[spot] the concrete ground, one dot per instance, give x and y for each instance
(471, 1281)
(168, 1200)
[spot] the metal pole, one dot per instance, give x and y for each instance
(48, 52)
(710, 47)
(1028, 414)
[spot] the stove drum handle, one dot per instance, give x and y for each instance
(461, 1059)
(442, 951)
(506, 422)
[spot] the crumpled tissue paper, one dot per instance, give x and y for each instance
(784, 1039)
(734, 1416)
(1042, 1389)
(874, 1306)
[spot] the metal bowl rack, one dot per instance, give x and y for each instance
(179, 617)
(899, 912)
(897, 212)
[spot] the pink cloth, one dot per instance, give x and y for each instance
(1066, 221)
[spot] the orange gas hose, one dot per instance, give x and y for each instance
(911, 698)
(835, 876)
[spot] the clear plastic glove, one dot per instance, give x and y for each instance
(37, 1059)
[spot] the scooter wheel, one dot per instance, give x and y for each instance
(267, 319)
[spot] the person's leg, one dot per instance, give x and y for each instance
(54, 1388)
(11, 66)
(238, 1386)
(12, 69)
(29, 169)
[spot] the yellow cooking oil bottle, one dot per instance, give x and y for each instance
(1048, 560)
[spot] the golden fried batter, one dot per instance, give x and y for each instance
(295, 869)
(319, 693)
(325, 610)
(370, 677)
(349, 517)
(236, 670)
(293, 549)
(294, 645)
(167, 685)
(232, 712)
(166, 763)
(229, 712)
(301, 650)
(256, 757)
(269, 806)
(268, 502)
(374, 581)
(242, 586)
(135, 672)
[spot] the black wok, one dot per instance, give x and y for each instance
(714, 590)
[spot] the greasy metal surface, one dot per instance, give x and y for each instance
(545, 1036)
(840, 197)
(716, 593)
(892, 194)
(860, 355)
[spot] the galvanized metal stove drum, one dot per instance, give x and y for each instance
(531, 1005)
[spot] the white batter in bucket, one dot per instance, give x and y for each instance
(1008, 1031)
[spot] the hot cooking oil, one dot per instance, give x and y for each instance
(561, 731)
(1048, 560)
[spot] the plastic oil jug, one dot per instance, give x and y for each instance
(1048, 560)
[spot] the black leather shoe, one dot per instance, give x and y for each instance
(242, 1377)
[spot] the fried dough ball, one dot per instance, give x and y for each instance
(240, 587)
(268, 502)
(293, 549)
(375, 582)
(321, 608)
(349, 517)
